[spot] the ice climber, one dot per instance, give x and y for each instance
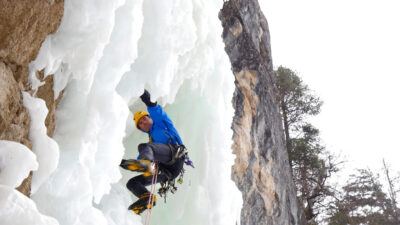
(164, 149)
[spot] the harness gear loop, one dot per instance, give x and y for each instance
(177, 152)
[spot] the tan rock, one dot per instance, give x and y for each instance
(14, 118)
(24, 25)
(46, 93)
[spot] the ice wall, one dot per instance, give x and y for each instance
(104, 54)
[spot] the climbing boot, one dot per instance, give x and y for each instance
(141, 165)
(143, 203)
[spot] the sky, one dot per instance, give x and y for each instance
(348, 52)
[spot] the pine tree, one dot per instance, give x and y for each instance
(362, 201)
(295, 101)
(311, 164)
(393, 189)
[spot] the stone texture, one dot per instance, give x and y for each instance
(14, 118)
(261, 170)
(24, 25)
(46, 93)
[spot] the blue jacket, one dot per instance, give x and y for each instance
(162, 130)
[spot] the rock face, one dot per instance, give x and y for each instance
(24, 25)
(261, 169)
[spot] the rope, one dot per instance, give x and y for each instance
(151, 199)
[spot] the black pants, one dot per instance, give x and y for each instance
(161, 154)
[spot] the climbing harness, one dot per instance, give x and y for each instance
(151, 199)
(178, 152)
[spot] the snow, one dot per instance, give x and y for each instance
(44, 147)
(17, 209)
(103, 56)
(16, 161)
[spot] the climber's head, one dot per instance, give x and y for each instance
(143, 121)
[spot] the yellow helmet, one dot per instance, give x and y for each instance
(138, 115)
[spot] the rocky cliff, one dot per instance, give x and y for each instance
(261, 169)
(24, 25)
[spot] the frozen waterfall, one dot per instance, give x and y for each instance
(103, 55)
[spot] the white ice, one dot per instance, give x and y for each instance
(16, 161)
(103, 55)
(17, 209)
(44, 147)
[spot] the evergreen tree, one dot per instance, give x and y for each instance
(311, 164)
(393, 190)
(295, 102)
(362, 201)
(311, 169)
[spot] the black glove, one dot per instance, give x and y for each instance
(123, 162)
(146, 99)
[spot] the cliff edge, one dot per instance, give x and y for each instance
(261, 170)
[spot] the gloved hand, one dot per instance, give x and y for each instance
(146, 99)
